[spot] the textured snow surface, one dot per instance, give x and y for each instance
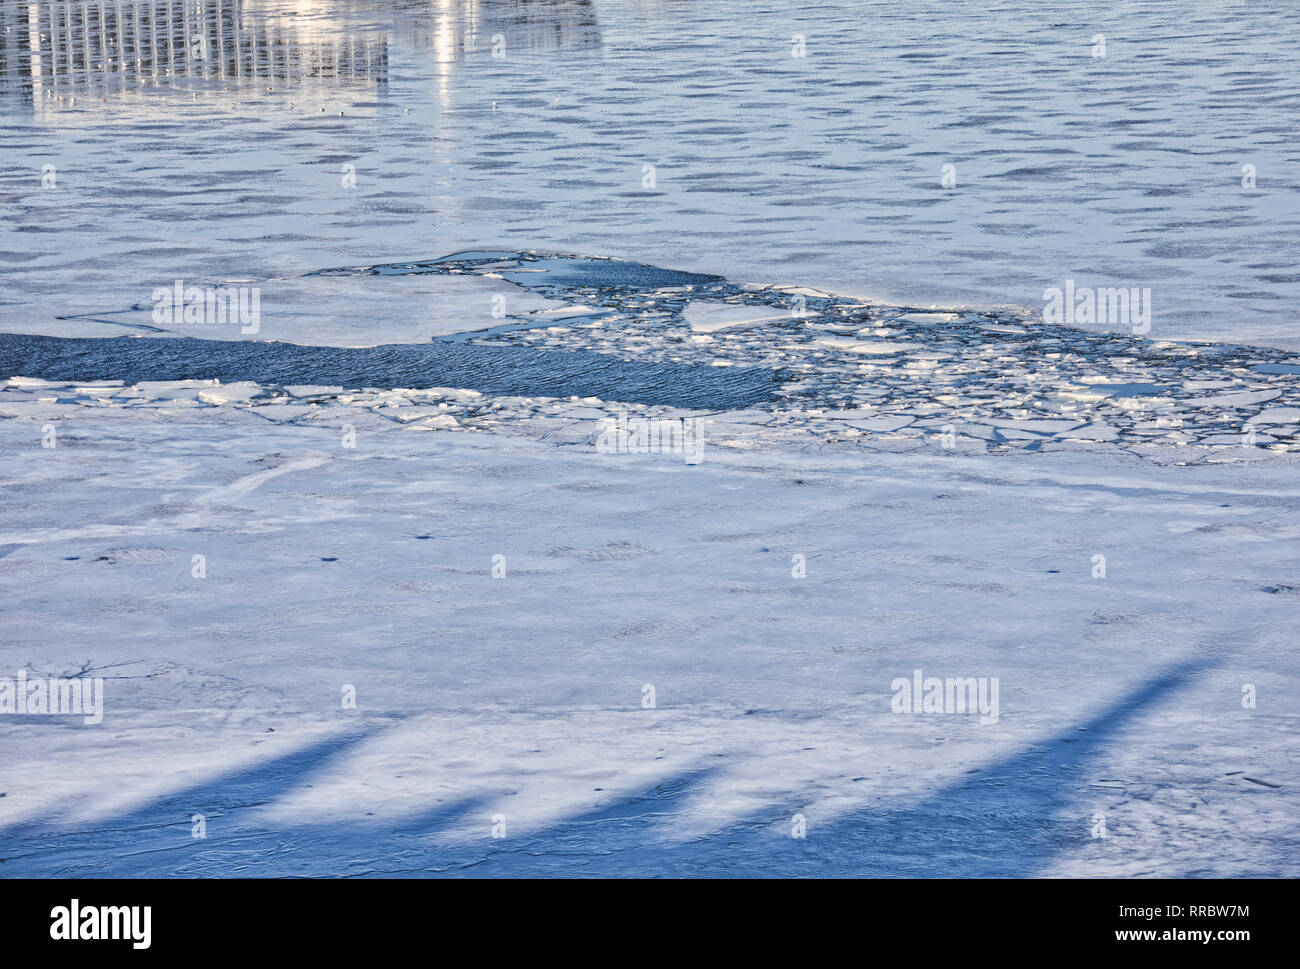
(521, 696)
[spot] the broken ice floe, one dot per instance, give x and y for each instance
(990, 376)
(799, 362)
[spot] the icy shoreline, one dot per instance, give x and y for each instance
(1240, 425)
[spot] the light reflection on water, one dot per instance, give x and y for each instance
(95, 48)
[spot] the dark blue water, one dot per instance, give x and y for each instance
(502, 370)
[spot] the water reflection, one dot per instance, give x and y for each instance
(463, 27)
(55, 50)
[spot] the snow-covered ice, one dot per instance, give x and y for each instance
(518, 700)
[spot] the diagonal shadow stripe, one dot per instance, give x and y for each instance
(1009, 818)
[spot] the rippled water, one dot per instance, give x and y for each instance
(510, 371)
(225, 158)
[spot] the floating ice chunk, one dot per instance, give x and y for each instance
(851, 414)
(1082, 396)
(927, 318)
(1277, 415)
(885, 422)
(284, 412)
(802, 291)
(1136, 389)
(229, 393)
(1241, 399)
(1039, 427)
(586, 413)
(837, 327)
(1002, 328)
(165, 390)
(408, 414)
(706, 317)
(568, 312)
(863, 346)
(1234, 454)
(36, 382)
(1093, 432)
(440, 422)
(313, 390)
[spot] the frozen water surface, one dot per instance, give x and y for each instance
(483, 234)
